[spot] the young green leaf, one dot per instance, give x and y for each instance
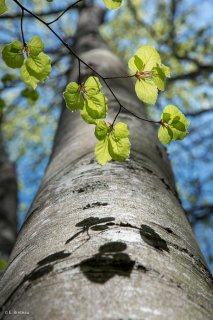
(8, 78)
(119, 149)
(3, 7)
(35, 69)
(96, 106)
(92, 86)
(114, 143)
(12, 54)
(35, 46)
(30, 94)
(101, 151)
(101, 130)
(120, 130)
(86, 117)
(112, 4)
(173, 125)
(146, 90)
(159, 78)
(27, 78)
(166, 70)
(165, 134)
(73, 97)
(149, 57)
(150, 73)
(40, 65)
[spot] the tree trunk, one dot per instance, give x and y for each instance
(106, 242)
(8, 202)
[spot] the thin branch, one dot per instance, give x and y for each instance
(79, 71)
(120, 77)
(83, 62)
(22, 32)
(64, 11)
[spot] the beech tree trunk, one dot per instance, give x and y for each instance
(107, 242)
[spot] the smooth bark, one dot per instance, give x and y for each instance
(106, 242)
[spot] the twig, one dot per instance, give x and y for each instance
(63, 12)
(86, 64)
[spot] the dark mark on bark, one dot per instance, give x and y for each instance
(95, 204)
(54, 257)
(148, 170)
(91, 187)
(159, 151)
(141, 268)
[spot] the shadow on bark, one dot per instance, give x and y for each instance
(152, 238)
(107, 263)
(93, 223)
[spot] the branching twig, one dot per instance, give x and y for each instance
(86, 64)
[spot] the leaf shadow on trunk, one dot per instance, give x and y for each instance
(93, 223)
(152, 238)
(107, 263)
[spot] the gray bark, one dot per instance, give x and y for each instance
(8, 202)
(106, 242)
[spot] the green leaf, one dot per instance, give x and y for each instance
(159, 78)
(138, 63)
(97, 106)
(119, 149)
(179, 126)
(73, 97)
(149, 57)
(39, 65)
(35, 69)
(101, 151)
(101, 130)
(28, 78)
(8, 78)
(112, 4)
(146, 90)
(12, 54)
(166, 117)
(86, 117)
(166, 70)
(165, 135)
(120, 130)
(35, 46)
(3, 7)
(30, 94)
(174, 126)
(92, 86)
